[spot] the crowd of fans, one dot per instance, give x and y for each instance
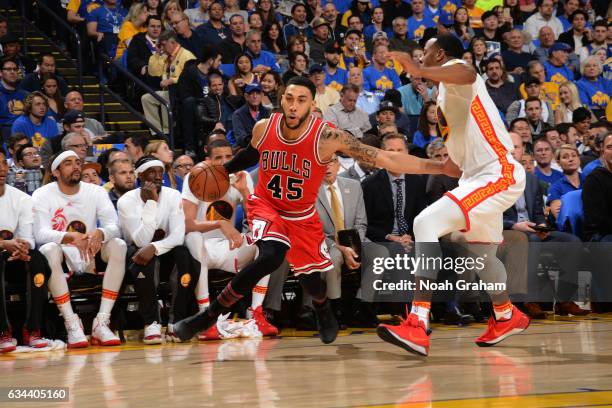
(221, 67)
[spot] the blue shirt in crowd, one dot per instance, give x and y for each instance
(555, 175)
(595, 94)
(558, 75)
(374, 79)
(38, 134)
(109, 19)
(11, 104)
(560, 187)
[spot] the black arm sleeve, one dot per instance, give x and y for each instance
(243, 160)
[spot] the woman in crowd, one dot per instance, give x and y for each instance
(272, 87)
(242, 76)
(428, 125)
(298, 65)
(273, 40)
(478, 48)
(513, 14)
(569, 101)
(378, 15)
(568, 158)
(51, 90)
(593, 88)
(358, 8)
(268, 13)
(161, 151)
(461, 26)
(255, 22)
(171, 7)
(154, 7)
(133, 24)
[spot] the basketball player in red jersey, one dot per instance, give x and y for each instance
(292, 149)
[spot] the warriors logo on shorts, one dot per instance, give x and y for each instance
(77, 226)
(5, 235)
(39, 280)
(219, 210)
(185, 280)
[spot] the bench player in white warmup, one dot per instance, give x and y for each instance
(492, 181)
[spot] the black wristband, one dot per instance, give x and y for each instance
(243, 160)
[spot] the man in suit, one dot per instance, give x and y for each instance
(244, 118)
(520, 219)
(141, 48)
(392, 201)
(359, 171)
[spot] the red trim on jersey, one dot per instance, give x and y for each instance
(282, 139)
(326, 266)
(268, 126)
(506, 179)
(463, 210)
(316, 144)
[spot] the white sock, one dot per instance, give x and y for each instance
(422, 313)
(259, 292)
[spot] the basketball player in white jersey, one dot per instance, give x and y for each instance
(76, 223)
(492, 181)
(213, 240)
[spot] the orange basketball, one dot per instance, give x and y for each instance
(208, 182)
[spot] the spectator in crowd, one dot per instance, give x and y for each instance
(552, 136)
(533, 89)
(298, 66)
(346, 115)
(88, 225)
(567, 157)
(461, 25)
(596, 133)
(334, 76)
(74, 101)
(13, 143)
(182, 165)
(46, 65)
(392, 201)
(263, 61)
(171, 8)
(402, 121)
(564, 16)
(73, 122)
(11, 48)
(489, 30)
(399, 41)
(501, 90)
(122, 177)
(298, 24)
(581, 120)
(544, 154)
(419, 21)
(135, 146)
(232, 7)
(438, 184)
(154, 7)
(134, 23)
(599, 36)
(576, 36)
(533, 113)
(273, 40)
(272, 87)
(353, 51)
(414, 95)
(153, 224)
(428, 129)
(385, 115)
(543, 18)
(393, 9)
(11, 98)
(597, 198)
(78, 10)
(320, 40)
(140, 49)
(378, 16)
(233, 46)
(366, 101)
(214, 31)
(268, 14)
(167, 63)
(567, 133)
(478, 49)
(521, 126)
(244, 118)
(50, 89)
(331, 15)
(515, 58)
(34, 123)
(594, 90)
(77, 143)
(198, 15)
(161, 151)
(189, 39)
(215, 110)
(243, 75)
(570, 101)
(326, 95)
(358, 170)
(377, 77)
(546, 38)
(103, 25)
(255, 22)
(90, 173)
(20, 263)
(599, 161)
(557, 69)
(26, 174)
(359, 9)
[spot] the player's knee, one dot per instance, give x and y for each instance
(271, 255)
(195, 244)
(53, 253)
(117, 248)
(420, 226)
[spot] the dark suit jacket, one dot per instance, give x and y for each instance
(243, 123)
(378, 199)
(138, 56)
(534, 200)
(568, 38)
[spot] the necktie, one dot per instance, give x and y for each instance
(402, 226)
(337, 212)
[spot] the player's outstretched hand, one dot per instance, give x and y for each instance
(451, 169)
(406, 61)
(233, 236)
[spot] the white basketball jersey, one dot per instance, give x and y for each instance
(474, 133)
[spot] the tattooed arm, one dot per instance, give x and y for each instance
(334, 140)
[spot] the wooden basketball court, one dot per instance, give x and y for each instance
(555, 363)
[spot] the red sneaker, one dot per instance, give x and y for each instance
(410, 335)
(211, 334)
(7, 342)
(264, 326)
(498, 330)
(34, 339)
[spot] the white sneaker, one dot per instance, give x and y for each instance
(170, 336)
(74, 328)
(101, 334)
(152, 334)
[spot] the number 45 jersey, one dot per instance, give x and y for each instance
(282, 208)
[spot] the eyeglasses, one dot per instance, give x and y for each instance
(31, 154)
(175, 23)
(183, 166)
(78, 146)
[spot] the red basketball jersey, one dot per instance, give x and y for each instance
(290, 171)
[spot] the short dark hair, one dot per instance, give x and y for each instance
(515, 121)
(391, 136)
(139, 140)
(216, 144)
(600, 23)
(152, 17)
(533, 99)
(296, 5)
(575, 13)
(210, 51)
(580, 114)
(14, 138)
(19, 152)
(563, 128)
(293, 56)
(167, 36)
(42, 56)
(451, 44)
(5, 60)
(492, 61)
(305, 82)
(351, 88)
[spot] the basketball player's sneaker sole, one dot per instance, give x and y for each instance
(500, 330)
(410, 335)
(387, 334)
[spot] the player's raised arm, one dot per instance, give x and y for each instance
(334, 140)
(250, 156)
(459, 73)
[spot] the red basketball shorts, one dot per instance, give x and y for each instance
(302, 233)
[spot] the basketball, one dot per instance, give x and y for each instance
(208, 182)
